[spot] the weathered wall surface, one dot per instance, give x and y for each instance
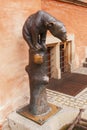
(13, 53)
(75, 19)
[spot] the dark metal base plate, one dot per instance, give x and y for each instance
(40, 119)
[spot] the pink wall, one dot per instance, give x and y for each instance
(13, 53)
(75, 19)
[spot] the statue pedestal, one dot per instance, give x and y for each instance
(40, 119)
(58, 120)
(38, 79)
(17, 122)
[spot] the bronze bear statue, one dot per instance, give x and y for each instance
(36, 26)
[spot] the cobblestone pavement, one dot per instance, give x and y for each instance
(63, 100)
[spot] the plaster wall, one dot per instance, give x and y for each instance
(75, 19)
(13, 54)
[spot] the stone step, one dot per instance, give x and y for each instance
(85, 64)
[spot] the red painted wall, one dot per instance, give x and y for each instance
(75, 19)
(14, 85)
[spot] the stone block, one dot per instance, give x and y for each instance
(64, 116)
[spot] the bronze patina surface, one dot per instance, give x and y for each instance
(34, 32)
(40, 119)
(38, 80)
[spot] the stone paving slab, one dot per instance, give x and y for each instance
(79, 101)
(61, 99)
(80, 70)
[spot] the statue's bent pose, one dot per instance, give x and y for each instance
(36, 26)
(34, 32)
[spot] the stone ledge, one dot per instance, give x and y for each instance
(65, 116)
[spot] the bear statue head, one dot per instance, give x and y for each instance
(58, 30)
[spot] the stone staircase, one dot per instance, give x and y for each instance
(85, 63)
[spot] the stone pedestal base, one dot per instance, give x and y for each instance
(40, 119)
(64, 116)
